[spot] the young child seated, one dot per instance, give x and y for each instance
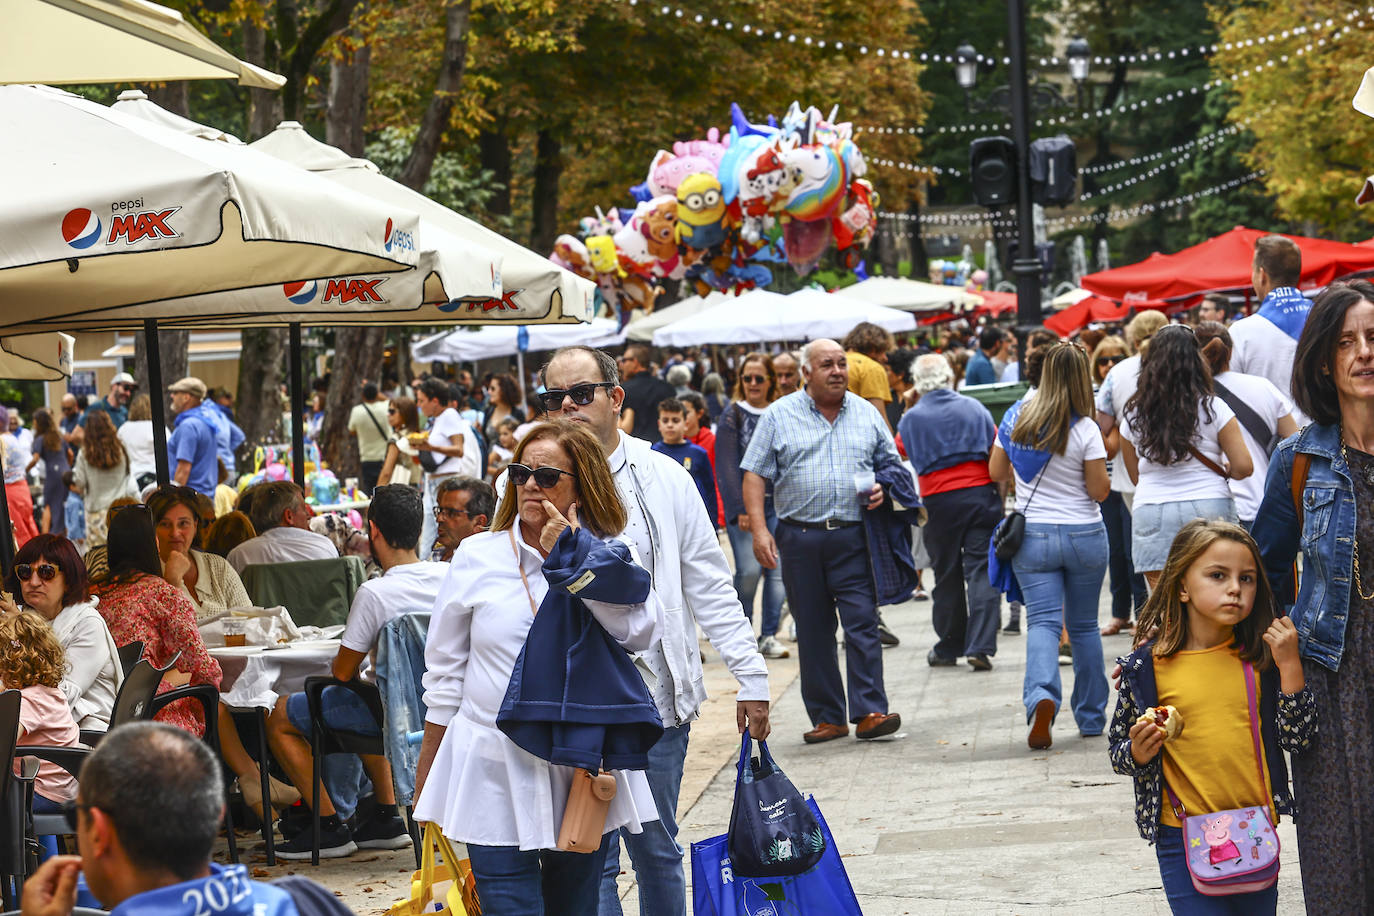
(672, 427)
(32, 662)
(503, 450)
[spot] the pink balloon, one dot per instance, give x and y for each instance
(805, 243)
(276, 472)
(355, 519)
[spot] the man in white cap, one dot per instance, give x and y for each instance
(192, 450)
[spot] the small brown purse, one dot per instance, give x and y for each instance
(584, 819)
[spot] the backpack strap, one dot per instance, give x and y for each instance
(1298, 481)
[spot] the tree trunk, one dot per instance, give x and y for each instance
(440, 109)
(357, 359)
(264, 105)
(548, 169)
(886, 243)
(920, 261)
(171, 96)
(347, 112)
(172, 350)
(257, 403)
(494, 151)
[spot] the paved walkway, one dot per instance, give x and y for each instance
(952, 815)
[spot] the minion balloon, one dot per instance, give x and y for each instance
(700, 211)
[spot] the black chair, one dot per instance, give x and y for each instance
(259, 716)
(129, 654)
(69, 759)
(208, 697)
(326, 740)
(14, 852)
(134, 697)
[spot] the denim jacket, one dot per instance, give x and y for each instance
(400, 665)
(1326, 539)
(1288, 722)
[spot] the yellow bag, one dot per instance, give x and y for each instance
(461, 897)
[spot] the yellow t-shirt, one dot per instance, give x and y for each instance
(1211, 766)
(867, 377)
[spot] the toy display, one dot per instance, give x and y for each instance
(716, 211)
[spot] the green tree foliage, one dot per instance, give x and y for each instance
(453, 182)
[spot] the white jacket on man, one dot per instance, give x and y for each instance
(693, 581)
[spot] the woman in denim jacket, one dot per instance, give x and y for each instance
(1333, 382)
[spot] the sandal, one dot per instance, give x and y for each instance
(1116, 626)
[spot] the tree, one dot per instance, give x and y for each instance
(1312, 145)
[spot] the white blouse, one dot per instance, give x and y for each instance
(483, 788)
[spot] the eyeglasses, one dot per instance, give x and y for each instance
(445, 512)
(47, 572)
(545, 478)
(69, 809)
(581, 395)
(754, 379)
(1110, 360)
(391, 410)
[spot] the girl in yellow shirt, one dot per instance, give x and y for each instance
(1213, 612)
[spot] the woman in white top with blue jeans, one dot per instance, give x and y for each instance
(1054, 449)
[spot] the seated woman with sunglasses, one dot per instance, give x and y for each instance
(472, 780)
(48, 577)
(138, 604)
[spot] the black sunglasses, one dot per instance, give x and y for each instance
(545, 478)
(47, 572)
(754, 379)
(1108, 360)
(581, 395)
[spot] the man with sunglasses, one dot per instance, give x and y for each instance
(146, 817)
(678, 546)
(465, 508)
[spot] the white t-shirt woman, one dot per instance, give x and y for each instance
(1188, 479)
(1060, 490)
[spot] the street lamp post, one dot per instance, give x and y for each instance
(1080, 62)
(1026, 266)
(966, 68)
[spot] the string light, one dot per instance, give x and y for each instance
(1208, 141)
(915, 167)
(1145, 176)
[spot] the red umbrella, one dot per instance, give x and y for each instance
(1222, 264)
(995, 303)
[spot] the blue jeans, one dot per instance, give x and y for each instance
(748, 572)
(1060, 569)
(1184, 900)
(342, 775)
(1128, 586)
(655, 855)
(531, 882)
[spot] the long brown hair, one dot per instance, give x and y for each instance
(1065, 391)
(101, 446)
(756, 357)
(599, 508)
(1165, 608)
(30, 653)
(410, 415)
(45, 427)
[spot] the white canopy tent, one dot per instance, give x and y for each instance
(643, 329)
(40, 357)
(67, 42)
(462, 345)
(108, 217)
(910, 295)
(531, 288)
(761, 315)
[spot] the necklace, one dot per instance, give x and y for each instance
(1355, 541)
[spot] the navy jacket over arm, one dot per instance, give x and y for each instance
(575, 697)
(888, 532)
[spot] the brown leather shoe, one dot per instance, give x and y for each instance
(1043, 717)
(877, 724)
(825, 731)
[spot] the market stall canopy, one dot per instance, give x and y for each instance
(642, 329)
(1222, 264)
(1072, 297)
(994, 303)
(532, 288)
(761, 315)
(1093, 308)
(910, 295)
(64, 42)
(107, 217)
(449, 269)
(462, 345)
(36, 357)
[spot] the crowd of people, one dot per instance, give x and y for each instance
(1184, 462)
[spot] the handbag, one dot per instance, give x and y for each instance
(1235, 851)
(1011, 531)
(430, 461)
(772, 832)
(822, 890)
(460, 899)
(584, 818)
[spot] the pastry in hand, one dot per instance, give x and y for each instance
(1166, 717)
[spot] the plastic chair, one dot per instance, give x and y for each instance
(69, 759)
(129, 655)
(208, 697)
(316, 592)
(13, 825)
(326, 740)
(134, 697)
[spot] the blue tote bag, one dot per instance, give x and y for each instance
(822, 890)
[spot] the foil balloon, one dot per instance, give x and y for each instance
(805, 241)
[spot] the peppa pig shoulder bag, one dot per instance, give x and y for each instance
(1235, 851)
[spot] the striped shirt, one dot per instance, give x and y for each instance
(811, 461)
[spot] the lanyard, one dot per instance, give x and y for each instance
(534, 610)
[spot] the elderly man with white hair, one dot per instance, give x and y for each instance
(948, 437)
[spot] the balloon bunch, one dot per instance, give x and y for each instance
(715, 211)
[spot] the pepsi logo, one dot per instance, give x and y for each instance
(397, 238)
(387, 237)
(81, 228)
(301, 292)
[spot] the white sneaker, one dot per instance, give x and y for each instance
(791, 631)
(769, 647)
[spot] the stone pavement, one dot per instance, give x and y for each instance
(952, 815)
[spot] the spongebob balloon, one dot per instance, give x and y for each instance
(700, 212)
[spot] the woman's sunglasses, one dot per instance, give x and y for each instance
(1109, 360)
(581, 395)
(47, 572)
(545, 478)
(754, 379)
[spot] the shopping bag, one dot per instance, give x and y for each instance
(461, 897)
(823, 890)
(772, 832)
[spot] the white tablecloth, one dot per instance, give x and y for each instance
(257, 676)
